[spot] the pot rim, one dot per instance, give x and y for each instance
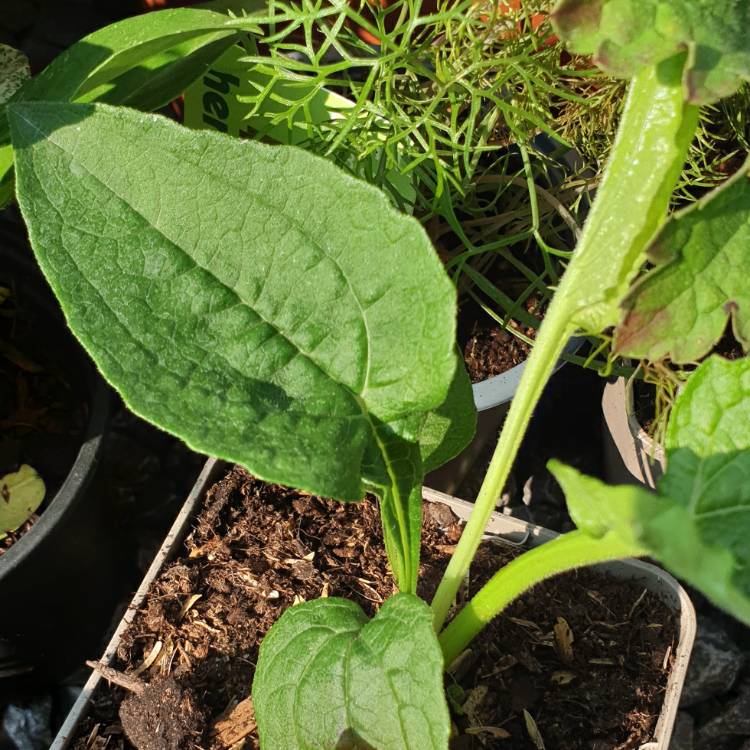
(512, 530)
(81, 471)
(500, 389)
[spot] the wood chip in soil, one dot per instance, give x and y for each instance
(256, 549)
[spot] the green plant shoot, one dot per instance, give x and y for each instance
(237, 295)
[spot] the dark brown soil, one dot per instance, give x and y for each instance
(728, 346)
(257, 549)
(644, 394)
(644, 404)
(584, 655)
(42, 413)
(492, 350)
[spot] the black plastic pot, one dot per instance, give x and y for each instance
(49, 575)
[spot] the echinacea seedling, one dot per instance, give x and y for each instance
(236, 295)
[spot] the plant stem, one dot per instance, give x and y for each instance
(655, 132)
(565, 553)
(550, 342)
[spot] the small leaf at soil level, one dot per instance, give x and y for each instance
(329, 678)
(699, 523)
(627, 35)
(680, 309)
(256, 301)
(14, 70)
(21, 493)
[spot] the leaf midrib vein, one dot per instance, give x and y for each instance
(234, 292)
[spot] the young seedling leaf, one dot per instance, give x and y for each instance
(254, 300)
(21, 493)
(14, 70)
(329, 678)
(104, 55)
(702, 257)
(699, 523)
(625, 36)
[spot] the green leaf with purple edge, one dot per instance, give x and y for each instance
(626, 35)
(680, 309)
(698, 525)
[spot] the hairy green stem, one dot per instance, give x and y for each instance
(565, 553)
(550, 342)
(655, 132)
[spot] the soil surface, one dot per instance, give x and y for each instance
(43, 412)
(492, 350)
(596, 681)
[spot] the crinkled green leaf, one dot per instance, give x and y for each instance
(702, 256)
(329, 678)
(699, 523)
(254, 300)
(14, 70)
(626, 35)
(21, 493)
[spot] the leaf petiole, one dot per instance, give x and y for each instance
(567, 552)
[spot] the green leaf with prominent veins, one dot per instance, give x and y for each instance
(254, 300)
(680, 309)
(624, 36)
(328, 678)
(699, 523)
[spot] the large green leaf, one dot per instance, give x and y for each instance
(699, 523)
(329, 678)
(626, 35)
(254, 300)
(680, 309)
(144, 62)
